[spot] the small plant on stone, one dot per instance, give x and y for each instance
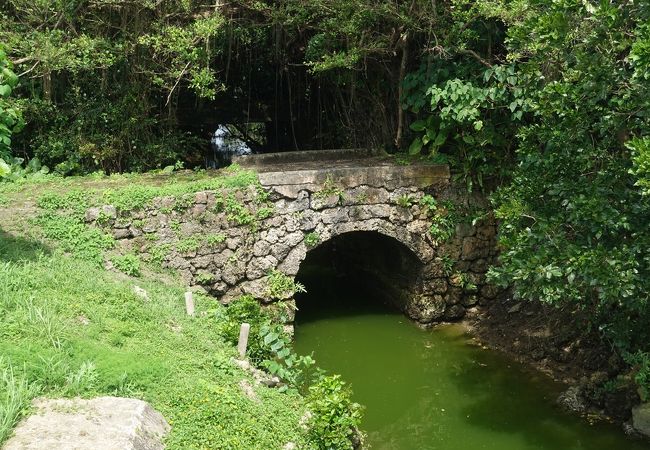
(281, 286)
(215, 239)
(401, 160)
(466, 283)
(447, 264)
(262, 195)
(443, 220)
(159, 253)
(312, 239)
(204, 278)
(362, 198)
(188, 245)
(128, 264)
(264, 213)
(103, 218)
(405, 201)
(151, 237)
(175, 226)
(429, 203)
(219, 203)
(183, 203)
(138, 223)
(329, 189)
(237, 212)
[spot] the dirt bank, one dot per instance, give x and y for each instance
(559, 343)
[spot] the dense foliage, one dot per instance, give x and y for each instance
(10, 117)
(575, 215)
(121, 85)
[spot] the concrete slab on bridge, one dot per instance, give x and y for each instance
(346, 167)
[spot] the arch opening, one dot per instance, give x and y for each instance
(356, 272)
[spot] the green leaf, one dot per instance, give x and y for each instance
(418, 125)
(440, 138)
(5, 169)
(12, 78)
(416, 146)
(271, 337)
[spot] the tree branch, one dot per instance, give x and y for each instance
(476, 56)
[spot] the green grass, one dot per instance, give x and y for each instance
(15, 394)
(68, 328)
(136, 196)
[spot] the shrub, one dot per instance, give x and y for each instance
(335, 417)
(245, 309)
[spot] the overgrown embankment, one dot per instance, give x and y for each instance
(69, 327)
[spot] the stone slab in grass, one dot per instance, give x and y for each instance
(103, 423)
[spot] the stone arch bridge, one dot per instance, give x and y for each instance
(401, 225)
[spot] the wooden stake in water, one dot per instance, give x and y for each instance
(189, 303)
(243, 339)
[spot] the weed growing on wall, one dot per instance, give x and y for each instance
(188, 245)
(281, 286)
(330, 188)
(443, 216)
(312, 239)
(238, 212)
(204, 278)
(137, 196)
(215, 239)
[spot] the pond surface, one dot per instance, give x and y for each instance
(433, 389)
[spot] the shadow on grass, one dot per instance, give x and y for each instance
(16, 248)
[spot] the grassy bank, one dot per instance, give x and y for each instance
(68, 327)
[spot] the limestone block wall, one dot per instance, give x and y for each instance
(230, 242)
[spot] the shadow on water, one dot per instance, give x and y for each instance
(16, 248)
(323, 299)
(510, 399)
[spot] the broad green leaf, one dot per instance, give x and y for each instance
(418, 125)
(5, 169)
(416, 146)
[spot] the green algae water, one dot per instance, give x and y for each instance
(432, 389)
